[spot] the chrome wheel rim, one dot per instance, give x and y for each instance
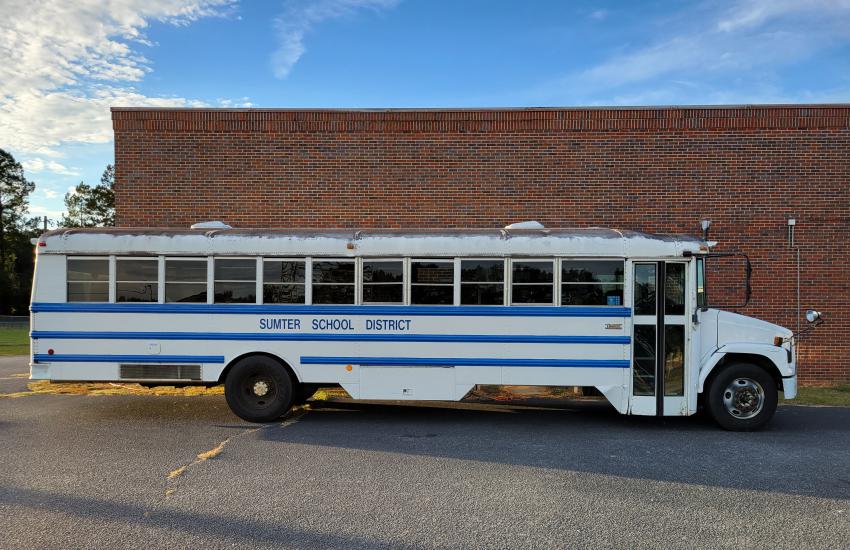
(259, 391)
(743, 398)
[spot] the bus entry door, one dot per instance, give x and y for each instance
(659, 313)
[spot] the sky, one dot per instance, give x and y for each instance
(66, 63)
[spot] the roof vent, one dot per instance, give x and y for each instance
(210, 225)
(526, 225)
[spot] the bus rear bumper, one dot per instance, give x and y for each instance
(789, 387)
(39, 371)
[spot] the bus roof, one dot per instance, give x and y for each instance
(589, 242)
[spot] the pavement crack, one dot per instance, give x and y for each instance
(294, 416)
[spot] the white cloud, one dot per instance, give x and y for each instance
(752, 13)
(299, 18)
(231, 103)
(599, 15)
(65, 63)
(742, 45)
(51, 213)
(41, 165)
(50, 194)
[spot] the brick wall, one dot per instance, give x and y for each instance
(747, 169)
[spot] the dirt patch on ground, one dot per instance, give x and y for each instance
(40, 387)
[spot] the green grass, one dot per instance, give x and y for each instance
(834, 396)
(14, 341)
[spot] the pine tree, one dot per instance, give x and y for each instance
(91, 206)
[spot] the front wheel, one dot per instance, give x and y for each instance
(742, 397)
(258, 389)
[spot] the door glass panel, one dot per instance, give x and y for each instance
(674, 289)
(674, 360)
(645, 289)
(701, 301)
(644, 360)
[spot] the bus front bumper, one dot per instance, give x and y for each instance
(789, 387)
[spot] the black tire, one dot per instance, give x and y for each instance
(258, 389)
(742, 397)
(303, 392)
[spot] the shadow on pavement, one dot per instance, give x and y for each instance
(804, 451)
(205, 525)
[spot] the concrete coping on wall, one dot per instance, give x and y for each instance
(753, 117)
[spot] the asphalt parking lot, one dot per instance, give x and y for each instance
(124, 471)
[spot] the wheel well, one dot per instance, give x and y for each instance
(758, 360)
(223, 376)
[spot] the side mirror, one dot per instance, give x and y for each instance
(813, 316)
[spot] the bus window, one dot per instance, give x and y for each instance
(701, 296)
(592, 283)
(432, 282)
(235, 281)
(532, 282)
(185, 280)
(482, 282)
(88, 280)
(333, 282)
(136, 280)
(383, 282)
(284, 281)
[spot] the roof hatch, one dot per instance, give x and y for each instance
(210, 225)
(531, 224)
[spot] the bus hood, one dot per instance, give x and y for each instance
(732, 328)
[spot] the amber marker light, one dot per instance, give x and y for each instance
(349, 368)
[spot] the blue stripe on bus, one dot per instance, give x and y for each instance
(469, 338)
(462, 362)
(83, 358)
(432, 311)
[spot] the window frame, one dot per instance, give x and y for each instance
(110, 273)
(209, 278)
(261, 279)
(451, 261)
(355, 283)
(505, 279)
(561, 283)
(160, 286)
(362, 283)
(211, 275)
(556, 297)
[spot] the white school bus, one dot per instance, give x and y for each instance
(400, 315)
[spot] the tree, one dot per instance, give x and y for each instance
(16, 252)
(91, 206)
(14, 193)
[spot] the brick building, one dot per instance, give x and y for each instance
(748, 169)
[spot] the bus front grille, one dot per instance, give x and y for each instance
(160, 372)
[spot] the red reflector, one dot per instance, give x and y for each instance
(42, 244)
(50, 351)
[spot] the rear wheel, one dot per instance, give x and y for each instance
(258, 389)
(742, 397)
